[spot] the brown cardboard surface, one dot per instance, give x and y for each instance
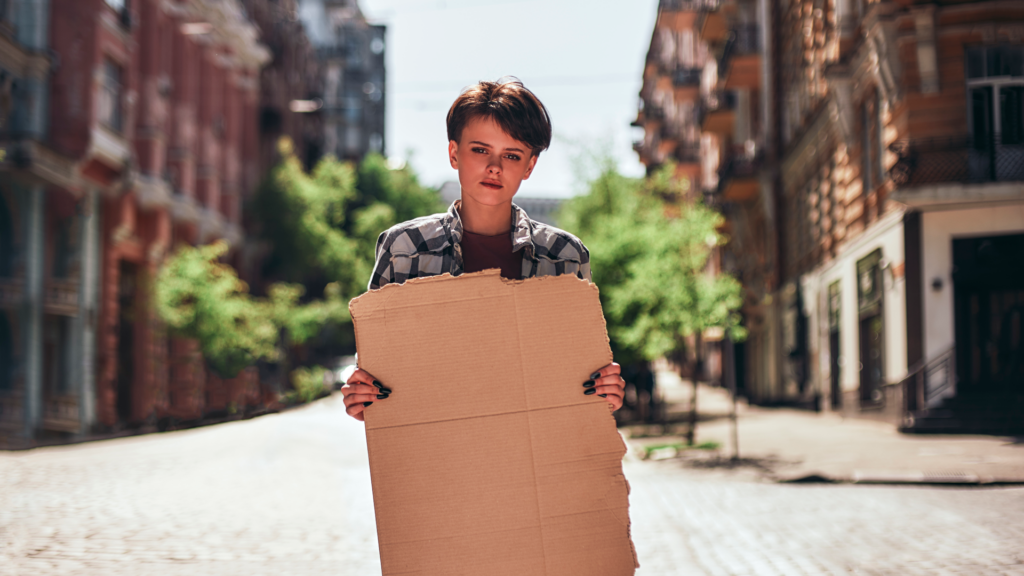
(488, 459)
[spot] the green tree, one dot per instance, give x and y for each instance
(322, 227)
(650, 244)
(319, 230)
(199, 297)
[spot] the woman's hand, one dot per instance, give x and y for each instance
(361, 390)
(607, 383)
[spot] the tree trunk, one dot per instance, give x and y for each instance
(698, 369)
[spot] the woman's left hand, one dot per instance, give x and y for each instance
(607, 383)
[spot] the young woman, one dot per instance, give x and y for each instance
(496, 132)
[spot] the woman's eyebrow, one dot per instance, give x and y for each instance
(520, 150)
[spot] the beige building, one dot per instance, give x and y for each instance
(870, 160)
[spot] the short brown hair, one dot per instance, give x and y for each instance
(517, 110)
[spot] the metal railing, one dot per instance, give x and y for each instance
(686, 76)
(929, 382)
(714, 101)
(688, 152)
(740, 163)
(743, 39)
(688, 5)
(963, 159)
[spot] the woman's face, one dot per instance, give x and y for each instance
(491, 163)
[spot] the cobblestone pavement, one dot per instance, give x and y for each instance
(289, 494)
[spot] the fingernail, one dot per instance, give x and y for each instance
(603, 395)
(367, 403)
(588, 384)
(378, 384)
(595, 375)
(384, 390)
(382, 396)
(590, 391)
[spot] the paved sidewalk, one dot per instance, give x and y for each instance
(802, 444)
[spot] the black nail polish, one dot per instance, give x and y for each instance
(590, 391)
(603, 395)
(595, 375)
(384, 390)
(367, 403)
(382, 396)
(588, 384)
(378, 384)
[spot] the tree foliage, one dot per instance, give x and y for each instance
(322, 227)
(649, 248)
(199, 297)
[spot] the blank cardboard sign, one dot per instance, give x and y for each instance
(488, 459)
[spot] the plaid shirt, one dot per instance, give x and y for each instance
(429, 246)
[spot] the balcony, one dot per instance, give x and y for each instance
(686, 77)
(964, 160)
(687, 153)
(712, 24)
(740, 63)
(717, 112)
(958, 171)
(687, 5)
(738, 177)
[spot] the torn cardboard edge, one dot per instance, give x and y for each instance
(488, 458)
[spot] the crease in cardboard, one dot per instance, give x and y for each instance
(441, 510)
(540, 519)
(479, 416)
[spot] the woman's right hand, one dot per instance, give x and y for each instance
(360, 390)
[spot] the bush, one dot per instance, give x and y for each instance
(309, 385)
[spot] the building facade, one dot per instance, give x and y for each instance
(869, 167)
(351, 53)
(290, 83)
(48, 242)
(145, 136)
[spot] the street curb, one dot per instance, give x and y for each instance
(903, 478)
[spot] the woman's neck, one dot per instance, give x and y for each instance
(486, 220)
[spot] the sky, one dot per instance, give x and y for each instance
(583, 59)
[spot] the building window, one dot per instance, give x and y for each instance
(995, 80)
(866, 149)
(871, 328)
(108, 101)
(6, 354)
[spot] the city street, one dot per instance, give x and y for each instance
(290, 494)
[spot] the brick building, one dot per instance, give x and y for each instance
(145, 136)
(48, 241)
(867, 158)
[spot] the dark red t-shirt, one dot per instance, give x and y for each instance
(484, 252)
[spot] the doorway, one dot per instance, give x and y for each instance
(988, 295)
(126, 298)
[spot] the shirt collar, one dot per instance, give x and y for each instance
(522, 231)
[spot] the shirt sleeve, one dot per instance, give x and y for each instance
(585, 273)
(383, 268)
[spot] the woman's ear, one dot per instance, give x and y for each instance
(529, 167)
(453, 153)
